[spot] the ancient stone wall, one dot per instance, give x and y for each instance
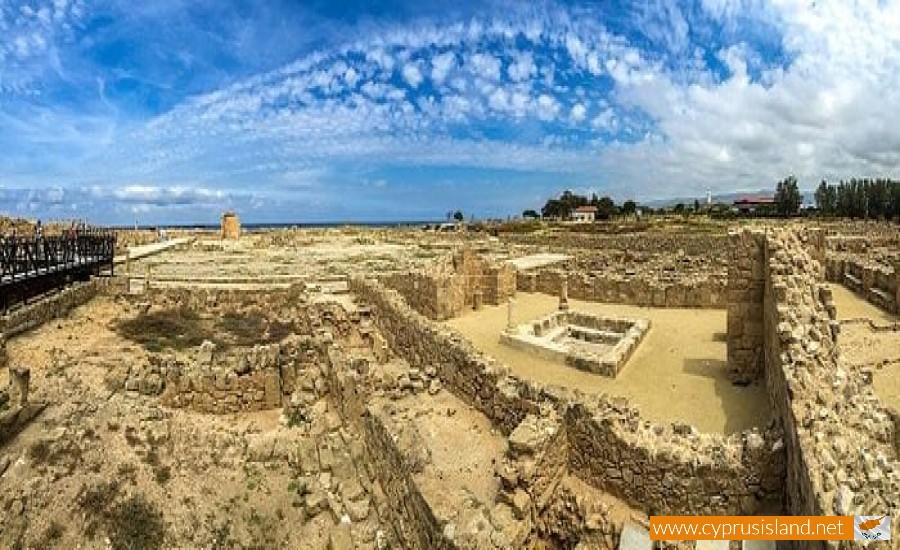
(690, 244)
(246, 379)
(876, 282)
(453, 283)
(217, 300)
(478, 380)
(49, 307)
(411, 518)
(590, 287)
(839, 438)
(746, 285)
(673, 470)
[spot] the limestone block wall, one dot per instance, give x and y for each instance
(411, 518)
(479, 381)
(55, 305)
(839, 438)
(591, 287)
(698, 244)
(670, 470)
(448, 286)
(217, 300)
(409, 515)
(746, 286)
(251, 379)
(877, 283)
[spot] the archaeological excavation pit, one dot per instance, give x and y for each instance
(588, 342)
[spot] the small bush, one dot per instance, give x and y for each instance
(162, 474)
(51, 535)
(96, 498)
(136, 524)
(176, 329)
(39, 452)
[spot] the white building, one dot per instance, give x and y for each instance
(584, 214)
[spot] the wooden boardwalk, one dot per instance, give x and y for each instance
(31, 266)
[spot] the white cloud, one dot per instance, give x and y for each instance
(522, 68)
(412, 74)
(441, 65)
(548, 107)
(578, 112)
(485, 66)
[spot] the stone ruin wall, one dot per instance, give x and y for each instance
(697, 244)
(876, 282)
(590, 287)
(249, 379)
(840, 441)
(673, 470)
(50, 307)
(241, 379)
(746, 288)
(454, 283)
(217, 300)
(601, 436)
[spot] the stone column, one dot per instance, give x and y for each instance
(510, 306)
(20, 379)
(564, 294)
(127, 263)
(477, 299)
(897, 290)
(380, 349)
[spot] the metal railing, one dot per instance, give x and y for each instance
(37, 264)
(23, 257)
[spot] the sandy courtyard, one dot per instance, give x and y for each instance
(676, 374)
(862, 345)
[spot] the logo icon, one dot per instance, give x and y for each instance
(871, 527)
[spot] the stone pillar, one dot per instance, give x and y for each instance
(564, 294)
(380, 349)
(746, 292)
(477, 299)
(19, 379)
(897, 289)
(510, 306)
(127, 263)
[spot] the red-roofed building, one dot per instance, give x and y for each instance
(754, 203)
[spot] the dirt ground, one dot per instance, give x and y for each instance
(862, 344)
(678, 373)
(224, 481)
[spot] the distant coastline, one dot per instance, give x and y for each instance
(283, 225)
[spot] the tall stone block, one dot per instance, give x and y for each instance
(745, 292)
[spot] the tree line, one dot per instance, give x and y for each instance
(865, 198)
(568, 201)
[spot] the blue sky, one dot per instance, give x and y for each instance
(173, 110)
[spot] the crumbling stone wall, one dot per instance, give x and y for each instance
(218, 300)
(700, 292)
(50, 307)
(449, 285)
(477, 380)
(876, 282)
(746, 286)
(251, 379)
(411, 518)
(673, 470)
(839, 438)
